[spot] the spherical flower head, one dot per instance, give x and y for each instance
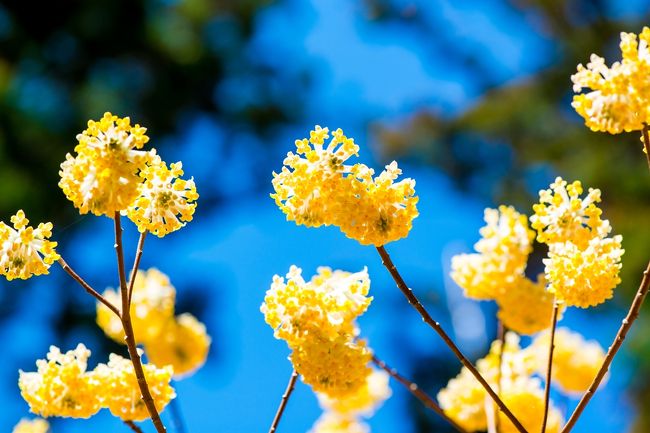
(152, 306)
(619, 99)
(166, 202)
(25, 250)
(515, 362)
(183, 343)
(363, 401)
(526, 306)
(575, 360)
(61, 386)
(32, 426)
(561, 215)
(103, 176)
(336, 423)
(502, 253)
(326, 306)
(525, 398)
(584, 277)
(120, 392)
(463, 400)
(383, 209)
(335, 368)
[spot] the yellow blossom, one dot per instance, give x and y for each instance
(316, 187)
(363, 401)
(152, 306)
(61, 386)
(183, 343)
(575, 361)
(526, 306)
(502, 253)
(120, 392)
(619, 99)
(32, 426)
(525, 398)
(335, 423)
(166, 202)
(25, 250)
(103, 176)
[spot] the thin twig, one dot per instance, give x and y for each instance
(501, 335)
(413, 300)
(414, 389)
(646, 142)
(88, 288)
(283, 402)
(177, 415)
(136, 264)
(549, 367)
(626, 324)
(133, 426)
(128, 331)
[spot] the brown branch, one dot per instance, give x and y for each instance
(133, 426)
(414, 389)
(413, 300)
(88, 288)
(283, 402)
(646, 142)
(626, 324)
(549, 368)
(136, 264)
(128, 331)
(501, 334)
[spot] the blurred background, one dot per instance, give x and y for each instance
(471, 97)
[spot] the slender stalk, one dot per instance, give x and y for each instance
(646, 142)
(501, 334)
(136, 264)
(88, 288)
(426, 317)
(626, 324)
(283, 402)
(549, 367)
(133, 426)
(177, 415)
(128, 331)
(414, 389)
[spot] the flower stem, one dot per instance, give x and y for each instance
(426, 317)
(88, 288)
(414, 389)
(128, 331)
(136, 264)
(283, 402)
(177, 416)
(501, 335)
(549, 367)
(133, 426)
(646, 142)
(626, 324)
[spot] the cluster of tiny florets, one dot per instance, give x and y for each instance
(583, 263)
(316, 187)
(36, 425)
(317, 320)
(619, 96)
(25, 250)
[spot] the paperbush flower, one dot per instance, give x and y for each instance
(526, 306)
(316, 187)
(32, 426)
(24, 250)
(102, 178)
(525, 398)
(619, 99)
(575, 360)
(61, 386)
(183, 343)
(166, 202)
(120, 392)
(335, 423)
(363, 401)
(152, 306)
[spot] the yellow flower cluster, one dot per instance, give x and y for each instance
(317, 320)
(25, 250)
(316, 187)
(496, 272)
(583, 264)
(32, 426)
(333, 423)
(181, 341)
(121, 393)
(166, 202)
(62, 386)
(103, 177)
(575, 361)
(466, 401)
(619, 99)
